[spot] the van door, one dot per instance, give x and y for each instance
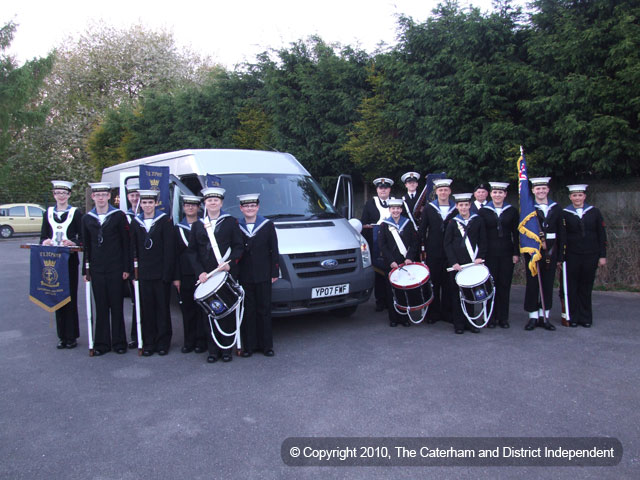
(343, 198)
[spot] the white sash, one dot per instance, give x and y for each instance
(384, 211)
(214, 244)
(59, 230)
(467, 243)
(399, 242)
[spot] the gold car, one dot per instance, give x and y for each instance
(20, 218)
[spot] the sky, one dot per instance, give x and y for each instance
(229, 31)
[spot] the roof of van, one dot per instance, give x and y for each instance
(218, 162)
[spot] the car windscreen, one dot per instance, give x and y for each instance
(282, 197)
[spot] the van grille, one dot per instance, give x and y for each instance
(307, 265)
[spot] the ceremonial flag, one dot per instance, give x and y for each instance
(49, 277)
(528, 227)
(157, 178)
(212, 181)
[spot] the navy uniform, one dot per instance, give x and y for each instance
(259, 268)
(374, 212)
(153, 248)
(552, 232)
(409, 199)
(433, 223)
(106, 263)
(398, 243)
(586, 250)
(195, 337)
(479, 201)
(133, 200)
(501, 224)
(205, 258)
(458, 252)
(64, 227)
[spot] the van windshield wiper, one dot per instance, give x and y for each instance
(284, 215)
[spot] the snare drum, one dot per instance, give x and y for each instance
(219, 296)
(411, 287)
(475, 283)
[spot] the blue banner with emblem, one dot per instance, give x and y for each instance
(49, 277)
(529, 227)
(212, 181)
(157, 178)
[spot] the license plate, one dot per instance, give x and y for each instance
(331, 291)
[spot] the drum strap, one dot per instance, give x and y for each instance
(384, 211)
(60, 229)
(214, 244)
(398, 240)
(467, 243)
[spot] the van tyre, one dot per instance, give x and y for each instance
(6, 231)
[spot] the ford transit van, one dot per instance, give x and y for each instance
(325, 264)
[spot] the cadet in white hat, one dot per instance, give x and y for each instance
(436, 215)
(410, 180)
(501, 222)
(586, 251)
(62, 226)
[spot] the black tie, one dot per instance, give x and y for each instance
(384, 203)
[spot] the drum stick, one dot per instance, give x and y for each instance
(212, 272)
(88, 306)
(451, 269)
(136, 294)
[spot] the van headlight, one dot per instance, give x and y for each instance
(366, 253)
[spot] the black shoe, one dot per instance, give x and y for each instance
(98, 353)
(406, 324)
(187, 349)
(573, 324)
(162, 353)
(548, 326)
(227, 357)
(132, 344)
(121, 351)
(379, 307)
(247, 353)
(459, 331)
(504, 325)
(147, 353)
(269, 353)
(61, 344)
(72, 344)
(212, 359)
(474, 330)
(393, 324)
(491, 325)
(532, 324)
(200, 349)
(586, 325)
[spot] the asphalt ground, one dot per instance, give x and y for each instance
(66, 415)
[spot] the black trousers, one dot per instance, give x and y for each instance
(458, 318)
(256, 330)
(108, 293)
(67, 324)
(581, 274)
(547, 272)
(134, 322)
(441, 307)
(501, 269)
(380, 288)
(156, 319)
(192, 313)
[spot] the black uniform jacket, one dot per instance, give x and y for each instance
(502, 231)
(432, 228)
(107, 247)
(259, 262)
(155, 249)
(454, 240)
(552, 226)
(184, 266)
(388, 245)
(586, 235)
(411, 202)
(74, 231)
(228, 237)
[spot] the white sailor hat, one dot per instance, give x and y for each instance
(383, 182)
(62, 185)
(540, 181)
(217, 192)
(442, 182)
(249, 198)
(133, 187)
(462, 197)
(192, 199)
(148, 194)
(577, 188)
(410, 176)
(499, 185)
(100, 187)
(395, 202)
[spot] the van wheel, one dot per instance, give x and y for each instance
(345, 311)
(6, 231)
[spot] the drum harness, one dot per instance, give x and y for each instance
(240, 309)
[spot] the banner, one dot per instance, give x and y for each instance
(157, 178)
(212, 181)
(529, 227)
(49, 277)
